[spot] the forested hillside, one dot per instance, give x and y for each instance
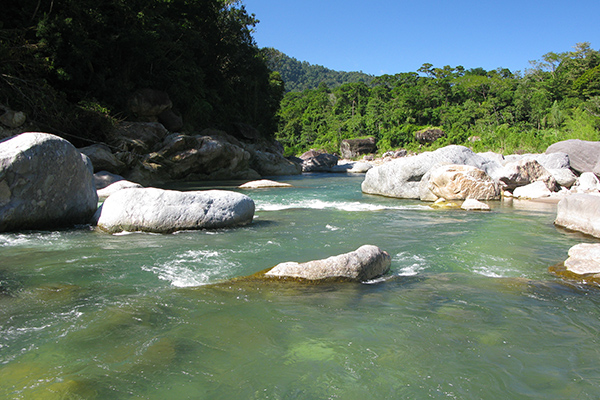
(72, 65)
(559, 98)
(299, 76)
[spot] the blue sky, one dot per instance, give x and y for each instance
(388, 37)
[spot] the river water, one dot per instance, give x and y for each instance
(468, 310)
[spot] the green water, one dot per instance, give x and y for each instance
(468, 310)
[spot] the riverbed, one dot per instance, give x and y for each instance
(468, 310)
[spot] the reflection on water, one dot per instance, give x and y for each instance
(468, 310)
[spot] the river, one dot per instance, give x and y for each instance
(468, 310)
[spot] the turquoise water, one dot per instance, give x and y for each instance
(468, 310)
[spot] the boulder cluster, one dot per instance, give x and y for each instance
(457, 173)
(46, 183)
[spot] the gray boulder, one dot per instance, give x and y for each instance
(165, 211)
(360, 167)
(315, 161)
(584, 259)
(183, 157)
(401, 177)
(534, 190)
(103, 179)
(351, 148)
(429, 135)
(13, 119)
(105, 192)
(579, 212)
(138, 137)
(524, 172)
(563, 176)
(490, 155)
(103, 159)
(557, 160)
(458, 182)
(583, 155)
(367, 262)
(586, 183)
(45, 183)
(271, 164)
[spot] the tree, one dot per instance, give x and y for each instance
(201, 52)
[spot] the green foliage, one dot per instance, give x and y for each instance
(200, 52)
(486, 110)
(299, 76)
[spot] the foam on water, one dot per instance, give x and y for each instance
(315, 204)
(410, 264)
(193, 268)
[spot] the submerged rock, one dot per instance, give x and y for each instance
(474, 205)
(367, 262)
(165, 211)
(45, 182)
(583, 264)
(263, 183)
(579, 212)
(443, 204)
(584, 258)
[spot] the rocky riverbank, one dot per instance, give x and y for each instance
(46, 183)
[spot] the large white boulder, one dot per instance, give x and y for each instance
(45, 183)
(563, 176)
(164, 211)
(583, 155)
(105, 193)
(586, 183)
(458, 182)
(367, 262)
(401, 177)
(579, 212)
(584, 259)
(535, 190)
(524, 172)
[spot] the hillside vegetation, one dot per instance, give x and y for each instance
(301, 75)
(71, 65)
(557, 99)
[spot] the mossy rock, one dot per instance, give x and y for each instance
(561, 271)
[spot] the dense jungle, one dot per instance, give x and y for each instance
(72, 65)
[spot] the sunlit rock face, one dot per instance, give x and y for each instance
(165, 211)
(45, 183)
(402, 177)
(580, 212)
(458, 182)
(367, 262)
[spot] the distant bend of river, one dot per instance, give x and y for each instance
(468, 310)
